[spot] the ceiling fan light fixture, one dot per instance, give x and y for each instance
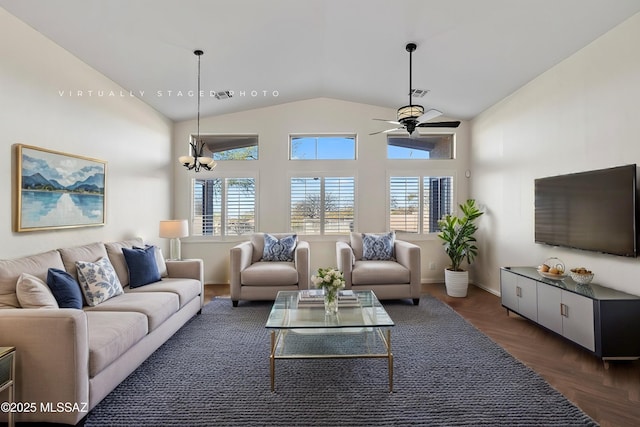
(413, 116)
(410, 112)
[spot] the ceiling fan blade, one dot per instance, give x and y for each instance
(453, 124)
(430, 114)
(388, 121)
(385, 131)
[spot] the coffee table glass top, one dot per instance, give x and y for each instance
(286, 314)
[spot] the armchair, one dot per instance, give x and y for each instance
(253, 278)
(395, 278)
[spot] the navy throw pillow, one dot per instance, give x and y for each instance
(65, 289)
(143, 268)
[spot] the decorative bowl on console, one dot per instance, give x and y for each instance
(581, 275)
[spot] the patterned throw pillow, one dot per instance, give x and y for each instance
(98, 281)
(279, 249)
(378, 246)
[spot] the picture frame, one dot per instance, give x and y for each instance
(56, 190)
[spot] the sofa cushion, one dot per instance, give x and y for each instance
(64, 288)
(269, 273)
(111, 334)
(186, 289)
(379, 272)
(157, 306)
(11, 269)
(142, 265)
(98, 281)
(91, 252)
(378, 246)
(279, 249)
(114, 249)
(34, 293)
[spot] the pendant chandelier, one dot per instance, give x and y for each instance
(197, 160)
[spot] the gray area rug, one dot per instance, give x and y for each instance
(215, 372)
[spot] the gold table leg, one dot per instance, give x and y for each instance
(272, 360)
(390, 358)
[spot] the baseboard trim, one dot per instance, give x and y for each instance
(484, 288)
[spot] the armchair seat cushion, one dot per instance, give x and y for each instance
(379, 273)
(269, 273)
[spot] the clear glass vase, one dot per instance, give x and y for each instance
(330, 301)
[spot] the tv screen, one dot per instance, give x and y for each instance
(594, 211)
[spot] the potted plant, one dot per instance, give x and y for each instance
(458, 238)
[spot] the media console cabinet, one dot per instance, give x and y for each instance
(602, 320)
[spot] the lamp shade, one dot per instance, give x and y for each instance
(185, 160)
(174, 228)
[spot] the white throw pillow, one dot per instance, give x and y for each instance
(98, 281)
(34, 293)
(162, 265)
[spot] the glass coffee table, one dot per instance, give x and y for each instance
(361, 331)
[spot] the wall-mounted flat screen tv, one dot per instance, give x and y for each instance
(594, 210)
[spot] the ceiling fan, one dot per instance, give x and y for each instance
(413, 116)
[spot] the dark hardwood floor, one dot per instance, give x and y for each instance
(610, 395)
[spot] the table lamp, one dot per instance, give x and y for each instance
(174, 229)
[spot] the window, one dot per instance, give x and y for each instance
(433, 146)
(223, 206)
(322, 205)
(329, 147)
(417, 203)
(230, 147)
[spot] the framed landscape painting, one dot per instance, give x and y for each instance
(58, 190)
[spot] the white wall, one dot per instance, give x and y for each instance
(133, 138)
(273, 125)
(582, 114)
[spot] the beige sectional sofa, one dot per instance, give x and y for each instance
(78, 356)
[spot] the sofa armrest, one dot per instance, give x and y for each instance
(302, 260)
(188, 269)
(345, 259)
(52, 359)
(240, 257)
(408, 254)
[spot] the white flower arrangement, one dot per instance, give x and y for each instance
(329, 279)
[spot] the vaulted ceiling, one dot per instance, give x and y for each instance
(470, 53)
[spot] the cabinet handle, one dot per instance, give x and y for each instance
(564, 310)
(518, 291)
